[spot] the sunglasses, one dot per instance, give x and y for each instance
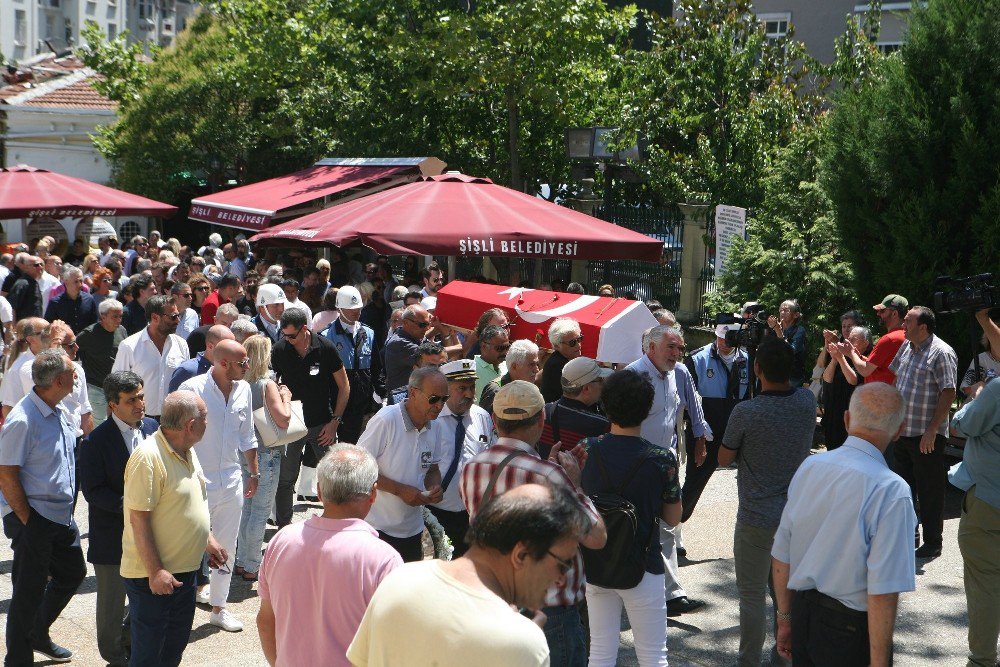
(564, 565)
(422, 325)
(71, 344)
(186, 295)
(203, 288)
(499, 348)
(574, 342)
(175, 317)
(294, 335)
(434, 399)
(245, 363)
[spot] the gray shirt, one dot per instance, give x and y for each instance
(773, 433)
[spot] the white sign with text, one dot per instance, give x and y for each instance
(730, 224)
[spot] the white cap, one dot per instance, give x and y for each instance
(429, 302)
(349, 297)
(720, 331)
(270, 294)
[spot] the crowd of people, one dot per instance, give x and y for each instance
(183, 392)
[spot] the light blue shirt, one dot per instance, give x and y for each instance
(690, 401)
(847, 529)
(979, 422)
(660, 426)
(40, 441)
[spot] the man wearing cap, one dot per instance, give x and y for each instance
(519, 416)
(572, 418)
(270, 306)
(464, 430)
(721, 377)
(875, 368)
(405, 447)
(493, 346)
(354, 342)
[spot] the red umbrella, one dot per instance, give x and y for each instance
(611, 327)
(26, 192)
(464, 216)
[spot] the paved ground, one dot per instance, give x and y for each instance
(931, 628)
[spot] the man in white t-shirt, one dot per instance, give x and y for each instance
(455, 613)
(404, 445)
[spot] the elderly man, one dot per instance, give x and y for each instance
(529, 535)
(102, 459)
(154, 352)
(465, 430)
(522, 364)
(926, 371)
(841, 554)
(519, 416)
(224, 316)
(318, 576)
(355, 344)
(106, 247)
(202, 361)
(59, 336)
(166, 532)
(406, 448)
(243, 329)
(230, 431)
(493, 346)
(401, 346)
(572, 418)
(270, 306)
(565, 337)
(38, 487)
(309, 365)
(25, 295)
(142, 288)
(74, 306)
(98, 347)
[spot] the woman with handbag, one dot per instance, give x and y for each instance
(275, 401)
(629, 476)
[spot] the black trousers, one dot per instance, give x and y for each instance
(456, 525)
(696, 477)
(42, 549)
(410, 548)
(826, 633)
(927, 475)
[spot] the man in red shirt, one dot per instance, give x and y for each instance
(227, 291)
(875, 368)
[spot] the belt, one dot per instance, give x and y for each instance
(822, 600)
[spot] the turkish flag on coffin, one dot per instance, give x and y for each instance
(611, 327)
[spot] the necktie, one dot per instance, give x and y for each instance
(459, 440)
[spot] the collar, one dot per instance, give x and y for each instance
(574, 404)
(922, 346)
(123, 427)
(481, 361)
(864, 447)
(164, 443)
(521, 445)
(652, 367)
(202, 361)
(407, 422)
(42, 406)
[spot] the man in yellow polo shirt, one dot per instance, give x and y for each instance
(166, 532)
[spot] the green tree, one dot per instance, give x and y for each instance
(911, 165)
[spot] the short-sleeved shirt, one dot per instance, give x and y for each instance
(486, 373)
(773, 433)
(404, 454)
(310, 378)
(847, 530)
(40, 441)
(922, 373)
(319, 576)
(98, 348)
(400, 355)
(172, 488)
(882, 355)
(654, 484)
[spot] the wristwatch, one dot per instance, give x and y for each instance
(257, 476)
(783, 615)
(337, 418)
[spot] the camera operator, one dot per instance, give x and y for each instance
(973, 380)
(979, 529)
(788, 325)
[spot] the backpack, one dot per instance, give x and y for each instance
(621, 563)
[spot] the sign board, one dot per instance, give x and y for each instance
(92, 229)
(730, 224)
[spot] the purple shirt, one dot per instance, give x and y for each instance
(319, 576)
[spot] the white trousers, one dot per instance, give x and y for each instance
(647, 614)
(671, 580)
(225, 507)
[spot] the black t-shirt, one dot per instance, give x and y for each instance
(654, 483)
(310, 378)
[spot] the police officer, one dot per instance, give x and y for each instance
(720, 375)
(355, 342)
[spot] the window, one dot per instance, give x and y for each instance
(775, 25)
(112, 31)
(888, 47)
(146, 10)
(128, 229)
(20, 27)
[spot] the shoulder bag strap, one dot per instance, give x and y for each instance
(488, 493)
(633, 472)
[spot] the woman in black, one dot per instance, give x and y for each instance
(839, 381)
(646, 475)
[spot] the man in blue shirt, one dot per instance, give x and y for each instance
(38, 484)
(842, 554)
(979, 529)
(75, 307)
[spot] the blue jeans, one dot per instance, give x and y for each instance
(253, 521)
(160, 624)
(564, 635)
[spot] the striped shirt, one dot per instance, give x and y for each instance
(922, 372)
(527, 469)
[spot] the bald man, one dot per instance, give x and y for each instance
(203, 360)
(229, 437)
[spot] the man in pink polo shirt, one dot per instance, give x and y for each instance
(317, 576)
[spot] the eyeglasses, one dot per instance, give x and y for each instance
(203, 288)
(186, 295)
(564, 565)
(422, 325)
(245, 363)
(224, 569)
(500, 348)
(71, 344)
(175, 316)
(294, 335)
(575, 341)
(434, 399)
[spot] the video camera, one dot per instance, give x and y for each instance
(966, 294)
(752, 328)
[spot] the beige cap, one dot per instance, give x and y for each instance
(518, 400)
(578, 372)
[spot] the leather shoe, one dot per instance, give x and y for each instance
(682, 552)
(928, 551)
(52, 651)
(683, 605)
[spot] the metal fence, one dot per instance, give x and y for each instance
(643, 280)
